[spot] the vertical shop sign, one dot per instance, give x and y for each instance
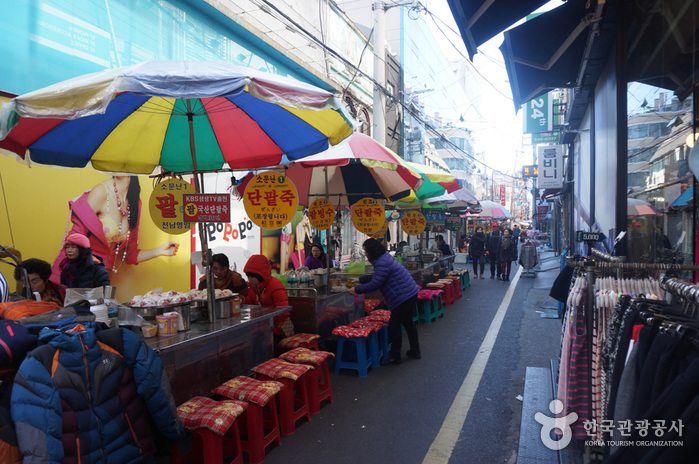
(368, 215)
(550, 166)
(270, 200)
(202, 207)
(413, 222)
(503, 195)
(538, 115)
(166, 206)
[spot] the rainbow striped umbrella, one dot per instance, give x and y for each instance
(181, 116)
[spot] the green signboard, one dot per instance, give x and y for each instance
(453, 223)
(546, 137)
(538, 115)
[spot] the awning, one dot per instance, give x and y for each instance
(684, 199)
(661, 39)
(481, 20)
(546, 52)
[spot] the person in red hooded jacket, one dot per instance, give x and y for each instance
(265, 290)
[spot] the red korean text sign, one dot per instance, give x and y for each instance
(368, 215)
(166, 206)
(321, 214)
(202, 207)
(270, 200)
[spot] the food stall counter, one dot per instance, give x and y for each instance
(208, 354)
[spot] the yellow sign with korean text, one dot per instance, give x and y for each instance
(166, 206)
(382, 230)
(270, 200)
(321, 214)
(368, 215)
(413, 222)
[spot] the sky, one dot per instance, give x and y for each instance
(497, 129)
(496, 126)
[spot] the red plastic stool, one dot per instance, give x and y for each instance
(456, 282)
(293, 399)
(300, 340)
(258, 420)
(319, 388)
(449, 295)
(208, 420)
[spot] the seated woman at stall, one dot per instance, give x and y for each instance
(38, 273)
(266, 290)
(80, 269)
(317, 258)
(224, 277)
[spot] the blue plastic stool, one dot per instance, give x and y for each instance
(357, 356)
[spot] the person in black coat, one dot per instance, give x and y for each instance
(507, 254)
(80, 269)
(476, 247)
(493, 248)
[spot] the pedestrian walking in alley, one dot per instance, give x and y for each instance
(493, 248)
(507, 254)
(476, 247)
(399, 292)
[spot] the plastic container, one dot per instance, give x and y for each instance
(167, 324)
(236, 304)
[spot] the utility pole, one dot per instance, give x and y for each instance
(379, 112)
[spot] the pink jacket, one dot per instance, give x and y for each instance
(86, 222)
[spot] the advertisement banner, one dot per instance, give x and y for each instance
(453, 223)
(503, 195)
(137, 254)
(203, 207)
(550, 166)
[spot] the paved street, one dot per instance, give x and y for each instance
(395, 415)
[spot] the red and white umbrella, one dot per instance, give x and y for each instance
(636, 207)
(490, 209)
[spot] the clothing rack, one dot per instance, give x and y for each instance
(599, 260)
(681, 289)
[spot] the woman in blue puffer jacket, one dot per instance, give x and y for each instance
(399, 292)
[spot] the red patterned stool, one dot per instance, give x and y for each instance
(449, 295)
(380, 315)
(293, 399)
(258, 395)
(456, 281)
(378, 339)
(300, 340)
(360, 338)
(319, 388)
(208, 421)
(370, 304)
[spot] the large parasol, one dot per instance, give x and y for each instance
(179, 116)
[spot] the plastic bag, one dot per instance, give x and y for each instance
(73, 295)
(356, 267)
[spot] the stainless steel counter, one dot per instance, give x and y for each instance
(202, 358)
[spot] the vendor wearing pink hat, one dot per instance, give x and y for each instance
(80, 269)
